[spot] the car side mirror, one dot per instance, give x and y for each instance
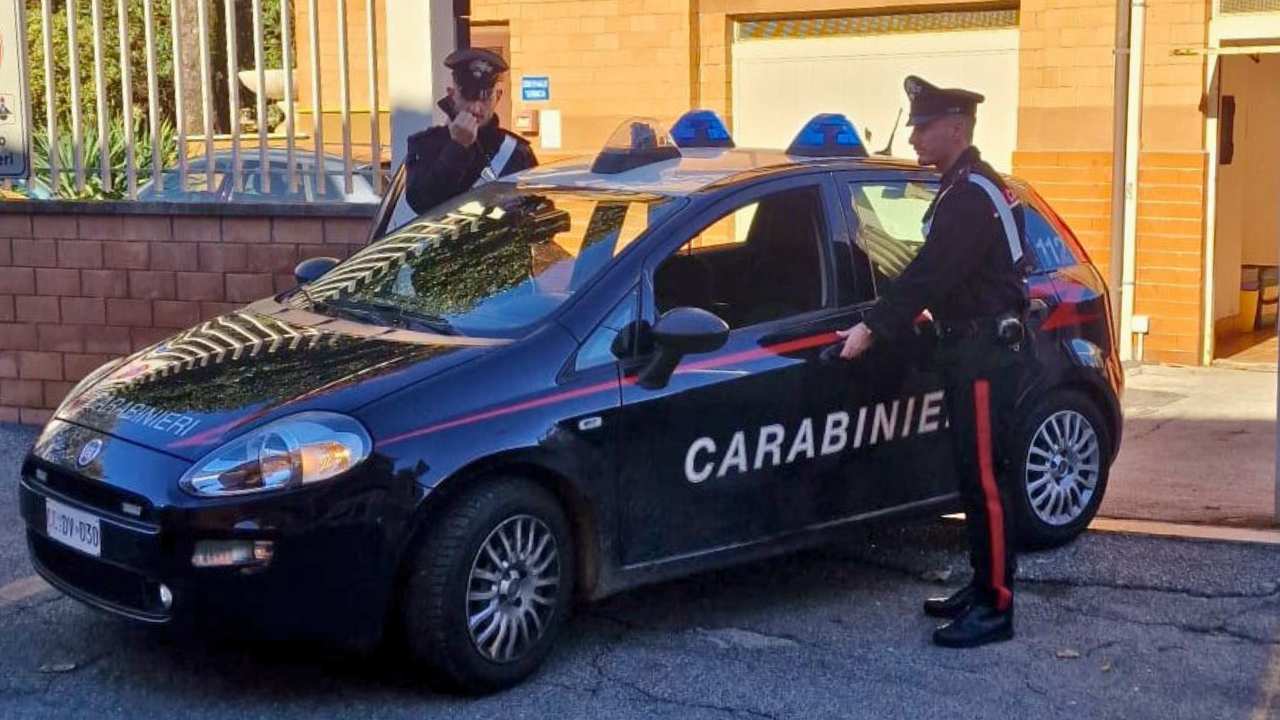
(679, 332)
(312, 268)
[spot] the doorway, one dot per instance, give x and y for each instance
(1247, 222)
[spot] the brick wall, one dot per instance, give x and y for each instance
(607, 60)
(79, 289)
(1066, 75)
(1078, 186)
(1170, 258)
(1173, 85)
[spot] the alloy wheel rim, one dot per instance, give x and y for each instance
(1062, 467)
(513, 588)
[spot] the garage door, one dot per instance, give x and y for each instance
(786, 71)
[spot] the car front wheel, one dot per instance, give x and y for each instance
(1061, 462)
(489, 586)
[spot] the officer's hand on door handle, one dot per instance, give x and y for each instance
(857, 340)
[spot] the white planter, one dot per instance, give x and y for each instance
(275, 79)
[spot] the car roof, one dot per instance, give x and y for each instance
(696, 170)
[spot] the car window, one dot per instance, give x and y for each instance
(728, 230)
(598, 348)
(1051, 251)
(890, 224)
(495, 260)
(763, 261)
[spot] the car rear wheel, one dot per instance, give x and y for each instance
(1061, 464)
(489, 587)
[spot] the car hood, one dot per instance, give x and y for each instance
(194, 391)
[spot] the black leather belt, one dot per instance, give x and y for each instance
(984, 327)
(969, 328)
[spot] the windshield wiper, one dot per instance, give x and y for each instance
(389, 314)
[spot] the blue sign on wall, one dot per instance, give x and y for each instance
(535, 87)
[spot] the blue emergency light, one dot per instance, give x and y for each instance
(699, 129)
(636, 142)
(828, 135)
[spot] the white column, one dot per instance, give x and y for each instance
(420, 33)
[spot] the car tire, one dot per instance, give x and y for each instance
(456, 575)
(1060, 464)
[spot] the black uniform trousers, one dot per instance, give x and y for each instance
(980, 377)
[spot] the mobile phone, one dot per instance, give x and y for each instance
(446, 105)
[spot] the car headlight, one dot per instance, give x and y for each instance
(297, 450)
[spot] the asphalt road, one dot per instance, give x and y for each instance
(1110, 626)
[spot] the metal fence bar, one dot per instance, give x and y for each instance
(153, 95)
(233, 94)
(344, 89)
(287, 50)
(50, 110)
(126, 93)
(24, 61)
(317, 119)
(77, 132)
(180, 115)
(375, 147)
(206, 91)
(264, 165)
(100, 89)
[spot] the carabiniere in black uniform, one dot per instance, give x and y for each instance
(437, 167)
(969, 275)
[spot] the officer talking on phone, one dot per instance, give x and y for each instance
(447, 160)
(970, 276)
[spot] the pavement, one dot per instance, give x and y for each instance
(1199, 447)
(1112, 625)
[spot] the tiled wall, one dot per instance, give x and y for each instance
(78, 290)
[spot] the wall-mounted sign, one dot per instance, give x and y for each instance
(14, 158)
(535, 88)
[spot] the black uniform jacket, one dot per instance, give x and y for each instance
(966, 270)
(437, 168)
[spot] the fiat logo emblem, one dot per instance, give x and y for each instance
(89, 452)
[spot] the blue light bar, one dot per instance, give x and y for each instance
(636, 142)
(701, 128)
(828, 135)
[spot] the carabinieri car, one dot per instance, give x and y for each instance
(557, 386)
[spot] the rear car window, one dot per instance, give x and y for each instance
(1047, 244)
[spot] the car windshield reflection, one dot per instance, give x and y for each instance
(493, 262)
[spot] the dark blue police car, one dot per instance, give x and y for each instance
(574, 381)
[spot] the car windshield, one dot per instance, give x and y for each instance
(490, 263)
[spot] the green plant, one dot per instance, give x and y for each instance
(163, 45)
(111, 58)
(117, 159)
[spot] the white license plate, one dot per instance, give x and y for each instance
(73, 528)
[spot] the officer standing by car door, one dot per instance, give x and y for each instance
(447, 160)
(969, 275)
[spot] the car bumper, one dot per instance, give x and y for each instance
(329, 575)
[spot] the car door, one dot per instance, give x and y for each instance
(387, 209)
(735, 447)
(908, 444)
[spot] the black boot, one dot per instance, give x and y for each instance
(952, 606)
(979, 625)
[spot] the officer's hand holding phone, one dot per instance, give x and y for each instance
(463, 129)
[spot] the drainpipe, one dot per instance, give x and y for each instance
(1120, 100)
(1132, 147)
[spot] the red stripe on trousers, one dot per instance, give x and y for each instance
(995, 513)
